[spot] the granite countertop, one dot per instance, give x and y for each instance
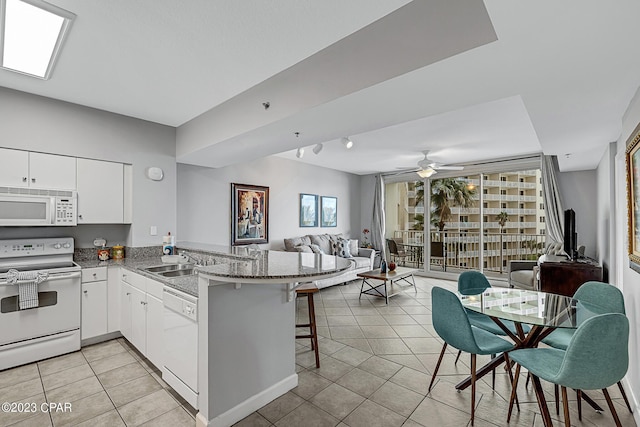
(186, 284)
(248, 264)
(286, 267)
(242, 253)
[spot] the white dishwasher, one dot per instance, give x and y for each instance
(180, 368)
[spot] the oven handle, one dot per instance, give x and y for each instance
(52, 276)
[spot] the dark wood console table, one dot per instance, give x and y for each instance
(565, 277)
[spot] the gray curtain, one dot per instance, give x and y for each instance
(377, 226)
(554, 212)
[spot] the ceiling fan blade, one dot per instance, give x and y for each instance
(449, 168)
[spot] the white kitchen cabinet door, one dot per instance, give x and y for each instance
(113, 299)
(100, 192)
(94, 309)
(15, 168)
(155, 340)
(51, 171)
(126, 304)
(139, 320)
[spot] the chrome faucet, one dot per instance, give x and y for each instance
(196, 260)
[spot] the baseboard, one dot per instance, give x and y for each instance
(633, 401)
(250, 405)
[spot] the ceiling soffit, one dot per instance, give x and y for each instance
(412, 37)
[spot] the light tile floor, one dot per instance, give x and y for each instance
(376, 363)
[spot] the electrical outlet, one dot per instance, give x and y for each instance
(153, 230)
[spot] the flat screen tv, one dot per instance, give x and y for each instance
(570, 235)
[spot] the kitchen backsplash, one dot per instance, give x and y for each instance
(89, 254)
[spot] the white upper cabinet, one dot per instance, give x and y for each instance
(51, 171)
(15, 168)
(100, 192)
(37, 170)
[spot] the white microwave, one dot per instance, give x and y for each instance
(33, 207)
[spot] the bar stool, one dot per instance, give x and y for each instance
(308, 289)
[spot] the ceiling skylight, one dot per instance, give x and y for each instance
(31, 35)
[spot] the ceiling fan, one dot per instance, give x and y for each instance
(429, 167)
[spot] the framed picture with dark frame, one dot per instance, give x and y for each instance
(633, 194)
(308, 210)
(249, 214)
(329, 211)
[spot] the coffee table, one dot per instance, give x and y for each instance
(400, 274)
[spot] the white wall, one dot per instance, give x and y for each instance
(605, 214)
(204, 199)
(35, 123)
(627, 279)
(579, 192)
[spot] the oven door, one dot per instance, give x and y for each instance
(58, 310)
(26, 210)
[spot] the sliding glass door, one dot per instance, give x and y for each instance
(467, 222)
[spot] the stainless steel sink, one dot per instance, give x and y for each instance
(169, 268)
(178, 273)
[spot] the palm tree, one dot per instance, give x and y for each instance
(448, 192)
(502, 219)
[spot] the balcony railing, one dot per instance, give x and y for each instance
(462, 249)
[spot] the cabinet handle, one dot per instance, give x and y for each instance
(95, 275)
(143, 303)
(128, 293)
(85, 291)
(24, 179)
(80, 217)
(33, 180)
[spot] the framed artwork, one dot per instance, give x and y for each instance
(249, 214)
(329, 211)
(633, 194)
(308, 210)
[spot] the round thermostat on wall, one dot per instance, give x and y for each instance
(155, 174)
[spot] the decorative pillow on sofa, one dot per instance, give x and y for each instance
(315, 249)
(302, 248)
(290, 244)
(341, 248)
(353, 247)
(324, 242)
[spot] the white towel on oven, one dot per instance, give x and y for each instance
(27, 282)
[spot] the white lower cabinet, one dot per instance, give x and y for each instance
(141, 319)
(113, 299)
(94, 302)
(155, 341)
(126, 295)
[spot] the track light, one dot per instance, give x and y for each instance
(300, 153)
(317, 149)
(426, 173)
(347, 142)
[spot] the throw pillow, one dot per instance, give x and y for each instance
(323, 241)
(353, 247)
(315, 249)
(341, 248)
(303, 248)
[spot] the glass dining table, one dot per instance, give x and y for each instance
(542, 311)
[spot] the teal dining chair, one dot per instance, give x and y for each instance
(596, 358)
(474, 283)
(602, 297)
(452, 325)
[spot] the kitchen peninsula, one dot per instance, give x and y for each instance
(246, 319)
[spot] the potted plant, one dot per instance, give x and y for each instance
(365, 242)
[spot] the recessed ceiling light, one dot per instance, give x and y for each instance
(347, 142)
(32, 34)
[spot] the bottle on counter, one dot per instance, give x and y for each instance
(383, 266)
(168, 244)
